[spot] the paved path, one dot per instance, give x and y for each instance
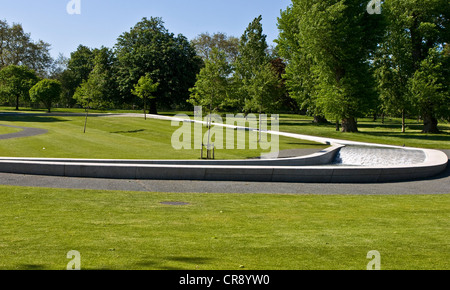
(25, 132)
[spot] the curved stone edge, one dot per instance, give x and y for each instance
(433, 165)
(323, 157)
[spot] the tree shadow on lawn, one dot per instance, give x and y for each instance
(128, 132)
(31, 267)
(443, 137)
(30, 119)
(192, 261)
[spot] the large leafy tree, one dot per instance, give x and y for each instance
(330, 43)
(149, 48)
(17, 48)
(430, 88)
(15, 83)
(80, 65)
(213, 86)
(252, 58)
(298, 78)
(47, 92)
(205, 42)
(417, 31)
(100, 88)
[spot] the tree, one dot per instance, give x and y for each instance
(252, 57)
(204, 43)
(415, 28)
(298, 76)
(336, 40)
(80, 65)
(171, 61)
(263, 90)
(392, 78)
(212, 87)
(144, 90)
(16, 82)
(17, 48)
(430, 88)
(47, 92)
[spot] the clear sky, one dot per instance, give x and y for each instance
(102, 21)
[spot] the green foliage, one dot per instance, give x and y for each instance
(213, 85)
(204, 43)
(17, 48)
(170, 60)
(328, 45)
(80, 65)
(47, 92)
(100, 88)
(414, 29)
(15, 83)
(144, 89)
(430, 87)
(263, 90)
(252, 57)
(299, 80)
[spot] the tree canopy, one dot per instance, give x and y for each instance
(328, 45)
(15, 84)
(46, 91)
(149, 48)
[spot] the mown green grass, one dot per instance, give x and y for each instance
(132, 230)
(8, 130)
(119, 138)
(372, 132)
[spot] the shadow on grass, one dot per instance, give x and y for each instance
(409, 136)
(28, 118)
(128, 132)
(31, 267)
(149, 264)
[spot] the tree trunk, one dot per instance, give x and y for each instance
(430, 125)
(320, 120)
(349, 125)
(145, 109)
(403, 122)
(17, 103)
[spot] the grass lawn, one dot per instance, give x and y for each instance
(8, 130)
(372, 132)
(115, 138)
(131, 230)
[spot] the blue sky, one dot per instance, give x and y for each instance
(102, 21)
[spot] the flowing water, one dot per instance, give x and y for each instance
(378, 156)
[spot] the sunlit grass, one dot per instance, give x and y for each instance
(124, 138)
(131, 230)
